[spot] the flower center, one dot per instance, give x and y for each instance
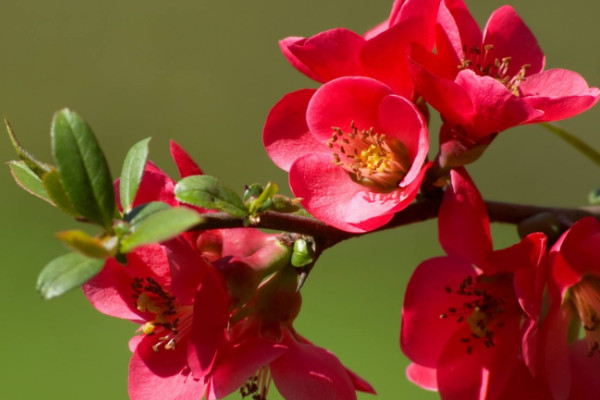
(585, 298)
(258, 385)
(370, 158)
(490, 302)
(481, 61)
(172, 322)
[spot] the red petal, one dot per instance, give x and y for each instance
(306, 372)
(425, 378)
(512, 38)
(241, 362)
(210, 319)
(187, 268)
(580, 247)
(162, 375)
(328, 193)
(424, 334)
(360, 384)
(586, 384)
(285, 135)
(185, 164)
(327, 55)
(285, 45)
(463, 224)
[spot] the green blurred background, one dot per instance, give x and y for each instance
(206, 74)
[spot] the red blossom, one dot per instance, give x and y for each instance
(485, 82)
(355, 151)
(469, 318)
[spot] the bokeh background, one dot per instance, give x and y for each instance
(205, 73)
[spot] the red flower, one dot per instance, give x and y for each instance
(484, 83)
(264, 348)
(380, 53)
(470, 318)
(354, 150)
(575, 303)
(180, 303)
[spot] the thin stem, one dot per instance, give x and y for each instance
(574, 141)
(327, 236)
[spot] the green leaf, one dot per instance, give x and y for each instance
(131, 175)
(257, 204)
(86, 244)
(37, 167)
(160, 226)
(141, 212)
(574, 141)
(207, 192)
(28, 180)
(56, 191)
(67, 272)
(82, 168)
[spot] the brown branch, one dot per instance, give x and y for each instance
(327, 236)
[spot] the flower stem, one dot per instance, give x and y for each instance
(574, 141)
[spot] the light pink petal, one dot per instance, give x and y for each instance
(328, 193)
(376, 30)
(185, 164)
(240, 363)
(285, 135)
(327, 55)
(162, 375)
(463, 224)
(401, 120)
(306, 372)
(530, 343)
(187, 268)
(110, 292)
(359, 383)
(482, 374)
(340, 102)
(134, 342)
(559, 93)
(586, 384)
(430, 292)
(211, 306)
(497, 108)
(243, 242)
(509, 35)
(425, 378)
(285, 45)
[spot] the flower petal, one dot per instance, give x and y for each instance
(586, 384)
(239, 363)
(509, 35)
(285, 135)
(360, 384)
(559, 93)
(306, 371)
(187, 267)
(185, 164)
(424, 334)
(327, 55)
(162, 375)
(328, 193)
(463, 224)
(422, 376)
(340, 102)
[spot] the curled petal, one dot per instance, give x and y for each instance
(185, 164)
(422, 376)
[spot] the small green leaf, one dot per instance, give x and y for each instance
(28, 180)
(82, 168)
(131, 175)
(160, 226)
(207, 192)
(67, 272)
(303, 254)
(284, 204)
(37, 167)
(86, 244)
(56, 191)
(141, 212)
(574, 141)
(257, 204)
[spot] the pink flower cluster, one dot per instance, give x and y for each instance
(216, 311)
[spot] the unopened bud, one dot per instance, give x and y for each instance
(303, 253)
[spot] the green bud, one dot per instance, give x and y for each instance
(252, 192)
(303, 254)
